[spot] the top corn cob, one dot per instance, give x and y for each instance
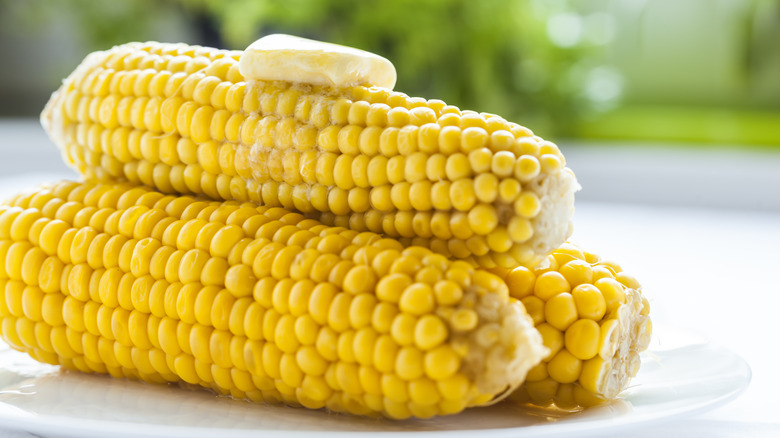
(184, 119)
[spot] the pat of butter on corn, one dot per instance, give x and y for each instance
(287, 58)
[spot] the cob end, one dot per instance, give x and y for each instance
(557, 201)
(504, 347)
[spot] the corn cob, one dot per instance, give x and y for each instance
(183, 119)
(594, 320)
(256, 302)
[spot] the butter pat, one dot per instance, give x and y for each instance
(288, 58)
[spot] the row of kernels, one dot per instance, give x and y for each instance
(193, 179)
(138, 203)
(188, 50)
(202, 123)
(213, 62)
(196, 367)
(173, 340)
(132, 230)
(126, 144)
(444, 226)
(565, 395)
(211, 87)
(405, 139)
(179, 301)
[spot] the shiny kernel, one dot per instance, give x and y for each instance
(527, 205)
(417, 299)
(502, 140)
(499, 240)
(473, 138)
(388, 141)
(440, 196)
(430, 332)
(564, 367)
(613, 293)
(600, 272)
(480, 160)
(360, 310)
(535, 308)
(560, 311)
(464, 320)
(402, 329)
(382, 316)
(486, 187)
(360, 279)
(550, 284)
(240, 280)
(447, 292)
(398, 117)
(428, 137)
(422, 115)
(349, 139)
(527, 168)
(396, 168)
(502, 163)
(551, 163)
(628, 281)
(577, 272)
(409, 363)
(483, 219)
(471, 118)
(521, 282)
(377, 115)
(377, 171)
(449, 140)
(462, 194)
(508, 190)
(357, 113)
(582, 339)
(457, 167)
(520, 229)
(552, 338)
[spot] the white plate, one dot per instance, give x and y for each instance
(680, 375)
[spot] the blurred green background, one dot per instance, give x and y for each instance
(699, 71)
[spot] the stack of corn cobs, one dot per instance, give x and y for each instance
(343, 247)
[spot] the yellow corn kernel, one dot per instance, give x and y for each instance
(590, 302)
(550, 284)
(564, 367)
(582, 338)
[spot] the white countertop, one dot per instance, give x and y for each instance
(706, 269)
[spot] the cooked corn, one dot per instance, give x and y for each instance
(183, 119)
(594, 320)
(256, 302)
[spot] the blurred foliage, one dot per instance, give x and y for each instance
(699, 70)
(491, 55)
(98, 24)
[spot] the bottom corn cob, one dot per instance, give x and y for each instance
(255, 302)
(594, 321)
